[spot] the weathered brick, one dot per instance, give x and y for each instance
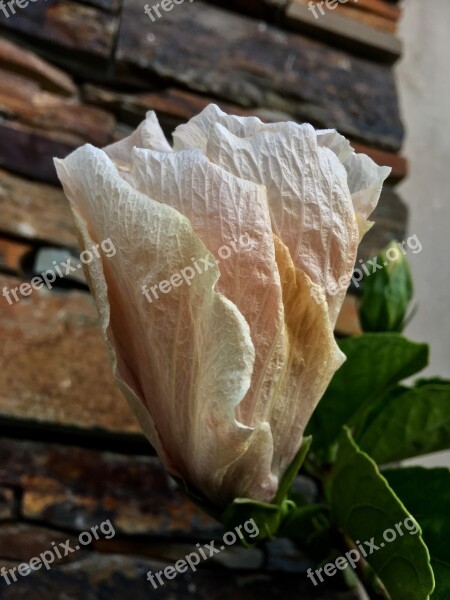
(7, 506)
(67, 25)
(76, 488)
(117, 577)
(35, 211)
(28, 64)
(54, 368)
(245, 61)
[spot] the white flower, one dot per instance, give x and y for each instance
(223, 373)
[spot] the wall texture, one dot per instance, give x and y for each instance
(424, 83)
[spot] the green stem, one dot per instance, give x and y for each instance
(367, 576)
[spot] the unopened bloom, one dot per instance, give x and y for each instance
(223, 373)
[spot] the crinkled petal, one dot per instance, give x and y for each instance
(314, 357)
(330, 138)
(195, 133)
(223, 370)
(297, 355)
(148, 135)
(231, 217)
(310, 204)
(365, 178)
(185, 360)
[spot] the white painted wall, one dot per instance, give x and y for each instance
(424, 85)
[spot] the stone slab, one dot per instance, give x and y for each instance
(117, 577)
(66, 24)
(22, 100)
(35, 212)
(53, 364)
(75, 489)
(28, 64)
(336, 27)
(248, 62)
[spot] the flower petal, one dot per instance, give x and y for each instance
(224, 209)
(309, 200)
(186, 359)
(195, 133)
(365, 178)
(148, 135)
(314, 357)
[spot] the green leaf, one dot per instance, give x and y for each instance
(366, 507)
(387, 292)
(292, 470)
(267, 517)
(414, 422)
(426, 493)
(310, 528)
(375, 362)
(368, 414)
(437, 380)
